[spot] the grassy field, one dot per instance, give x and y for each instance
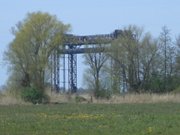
(91, 119)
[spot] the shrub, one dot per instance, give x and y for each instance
(177, 90)
(80, 99)
(30, 94)
(103, 93)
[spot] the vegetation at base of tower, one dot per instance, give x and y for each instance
(91, 119)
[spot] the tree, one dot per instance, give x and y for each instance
(125, 52)
(95, 61)
(147, 59)
(176, 76)
(135, 55)
(36, 37)
(168, 54)
(178, 55)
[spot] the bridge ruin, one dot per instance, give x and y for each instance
(72, 46)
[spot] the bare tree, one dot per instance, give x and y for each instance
(165, 41)
(95, 60)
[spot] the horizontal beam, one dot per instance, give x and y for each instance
(70, 39)
(83, 50)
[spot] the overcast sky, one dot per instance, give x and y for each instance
(90, 17)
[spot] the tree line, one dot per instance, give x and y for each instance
(135, 62)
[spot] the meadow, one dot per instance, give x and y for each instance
(91, 119)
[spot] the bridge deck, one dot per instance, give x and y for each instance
(91, 39)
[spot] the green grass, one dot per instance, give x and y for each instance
(91, 119)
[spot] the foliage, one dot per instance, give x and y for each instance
(126, 56)
(36, 37)
(80, 99)
(177, 90)
(33, 95)
(141, 62)
(103, 93)
(96, 119)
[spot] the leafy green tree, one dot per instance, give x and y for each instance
(135, 55)
(35, 38)
(147, 58)
(125, 52)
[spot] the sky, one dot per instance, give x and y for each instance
(90, 17)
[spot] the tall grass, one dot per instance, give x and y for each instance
(146, 98)
(7, 98)
(117, 99)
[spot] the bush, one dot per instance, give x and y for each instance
(103, 93)
(177, 90)
(80, 99)
(33, 95)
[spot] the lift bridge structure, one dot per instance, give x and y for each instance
(72, 46)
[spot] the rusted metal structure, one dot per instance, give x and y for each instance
(72, 46)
